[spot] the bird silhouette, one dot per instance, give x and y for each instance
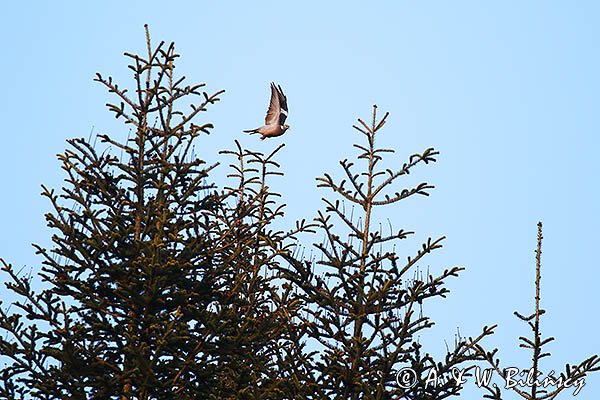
(276, 115)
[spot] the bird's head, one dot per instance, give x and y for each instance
(285, 127)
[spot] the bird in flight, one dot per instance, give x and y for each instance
(276, 115)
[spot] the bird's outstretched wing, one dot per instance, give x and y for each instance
(283, 112)
(274, 111)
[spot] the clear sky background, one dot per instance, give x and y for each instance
(507, 91)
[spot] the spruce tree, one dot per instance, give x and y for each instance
(533, 383)
(154, 287)
(364, 302)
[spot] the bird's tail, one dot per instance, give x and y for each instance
(251, 131)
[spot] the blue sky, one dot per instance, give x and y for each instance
(508, 92)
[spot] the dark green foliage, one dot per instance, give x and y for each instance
(259, 351)
(363, 300)
(155, 285)
(556, 383)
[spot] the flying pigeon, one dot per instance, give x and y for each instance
(276, 115)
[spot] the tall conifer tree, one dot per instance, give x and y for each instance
(364, 301)
(534, 383)
(155, 286)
